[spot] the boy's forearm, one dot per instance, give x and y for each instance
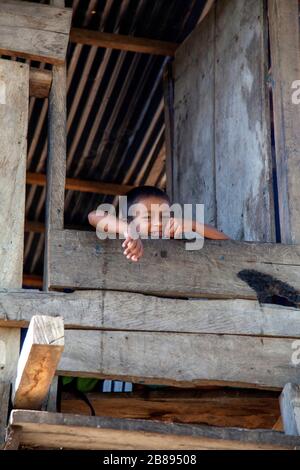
(107, 223)
(208, 231)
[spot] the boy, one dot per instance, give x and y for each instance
(148, 214)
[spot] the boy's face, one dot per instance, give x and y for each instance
(150, 214)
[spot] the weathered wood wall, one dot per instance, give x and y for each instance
(222, 154)
(285, 63)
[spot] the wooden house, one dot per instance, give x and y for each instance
(203, 100)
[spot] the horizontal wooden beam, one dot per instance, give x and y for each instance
(221, 269)
(229, 408)
(180, 359)
(39, 227)
(74, 184)
(122, 42)
(40, 81)
(203, 342)
(109, 310)
(34, 227)
(38, 361)
(58, 430)
(32, 280)
(34, 31)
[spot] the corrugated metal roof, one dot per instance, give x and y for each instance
(115, 108)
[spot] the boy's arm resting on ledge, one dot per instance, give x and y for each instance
(107, 223)
(175, 228)
(208, 231)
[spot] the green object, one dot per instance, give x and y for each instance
(86, 385)
(81, 384)
(67, 380)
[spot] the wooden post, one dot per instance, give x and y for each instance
(14, 99)
(38, 361)
(290, 409)
(56, 164)
(169, 125)
(4, 401)
(57, 153)
(285, 65)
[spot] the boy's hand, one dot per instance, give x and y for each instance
(173, 228)
(133, 248)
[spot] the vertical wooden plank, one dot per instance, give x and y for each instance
(169, 126)
(244, 192)
(290, 409)
(194, 165)
(56, 164)
(285, 63)
(14, 98)
(4, 401)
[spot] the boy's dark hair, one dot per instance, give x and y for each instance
(141, 192)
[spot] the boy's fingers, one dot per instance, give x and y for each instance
(134, 251)
(131, 247)
(125, 243)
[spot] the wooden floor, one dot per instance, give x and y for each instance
(57, 430)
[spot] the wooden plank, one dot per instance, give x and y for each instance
(180, 359)
(81, 260)
(14, 97)
(278, 426)
(32, 280)
(40, 81)
(244, 195)
(285, 59)
(56, 163)
(193, 161)
(14, 79)
(168, 85)
(12, 441)
(59, 430)
(51, 401)
(35, 227)
(34, 31)
(243, 408)
(111, 310)
(290, 409)
(9, 353)
(4, 401)
(85, 186)
(38, 361)
(122, 42)
(58, 3)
